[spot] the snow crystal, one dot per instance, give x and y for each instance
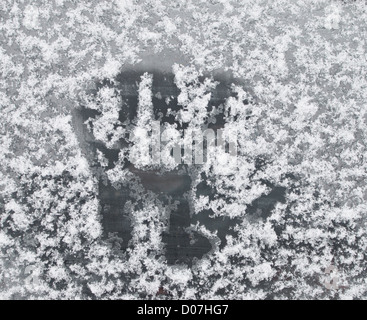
(31, 17)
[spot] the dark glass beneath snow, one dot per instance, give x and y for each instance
(182, 244)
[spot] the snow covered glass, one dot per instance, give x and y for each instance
(150, 138)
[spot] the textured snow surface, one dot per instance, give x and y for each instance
(269, 226)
